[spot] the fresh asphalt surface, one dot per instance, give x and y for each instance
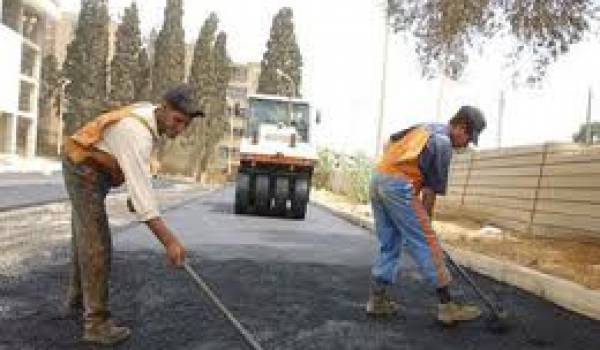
(294, 284)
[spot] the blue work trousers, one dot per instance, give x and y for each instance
(401, 221)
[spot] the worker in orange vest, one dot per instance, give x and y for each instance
(414, 165)
(116, 147)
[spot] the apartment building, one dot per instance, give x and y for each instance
(22, 33)
(244, 82)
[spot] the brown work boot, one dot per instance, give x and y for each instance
(104, 332)
(380, 304)
(450, 313)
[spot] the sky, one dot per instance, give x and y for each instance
(342, 46)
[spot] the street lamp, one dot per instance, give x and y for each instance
(588, 119)
(230, 146)
(63, 82)
(383, 84)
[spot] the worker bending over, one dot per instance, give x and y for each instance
(415, 163)
(116, 147)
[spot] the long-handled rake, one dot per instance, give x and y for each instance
(203, 286)
(498, 322)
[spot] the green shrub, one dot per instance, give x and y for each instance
(325, 165)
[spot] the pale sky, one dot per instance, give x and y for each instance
(342, 43)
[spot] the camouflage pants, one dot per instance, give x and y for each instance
(91, 241)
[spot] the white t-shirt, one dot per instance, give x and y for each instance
(132, 144)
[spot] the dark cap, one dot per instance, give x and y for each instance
(181, 98)
(476, 121)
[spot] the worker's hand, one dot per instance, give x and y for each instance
(175, 254)
(428, 197)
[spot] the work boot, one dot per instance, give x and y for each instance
(104, 332)
(450, 313)
(380, 304)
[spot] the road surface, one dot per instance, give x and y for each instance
(294, 284)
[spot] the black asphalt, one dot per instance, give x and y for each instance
(18, 190)
(294, 284)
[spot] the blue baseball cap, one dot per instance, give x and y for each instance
(182, 99)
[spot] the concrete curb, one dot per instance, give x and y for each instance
(566, 294)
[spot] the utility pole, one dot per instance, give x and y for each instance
(230, 148)
(588, 119)
(501, 105)
(61, 95)
(386, 39)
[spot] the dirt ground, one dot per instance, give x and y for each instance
(577, 260)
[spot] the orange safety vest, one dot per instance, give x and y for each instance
(401, 158)
(80, 147)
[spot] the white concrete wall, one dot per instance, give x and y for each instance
(10, 68)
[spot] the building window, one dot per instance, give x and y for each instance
(11, 14)
(31, 25)
(238, 132)
(223, 152)
(6, 136)
(25, 100)
(237, 93)
(28, 58)
(23, 132)
(239, 74)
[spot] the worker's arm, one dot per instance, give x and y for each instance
(131, 144)
(434, 163)
(175, 251)
(428, 199)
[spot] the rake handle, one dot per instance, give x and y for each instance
(493, 307)
(215, 300)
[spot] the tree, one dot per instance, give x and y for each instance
(143, 81)
(209, 76)
(201, 70)
(580, 136)
(169, 54)
(150, 42)
(86, 65)
(49, 93)
(216, 122)
(282, 54)
(444, 30)
(125, 62)
(50, 81)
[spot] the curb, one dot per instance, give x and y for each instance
(566, 294)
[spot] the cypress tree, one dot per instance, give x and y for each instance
(125, 63)
(169, 54)
(201, 79)
(282, 54)
(49, 93)
(86, 65)
(143, 81)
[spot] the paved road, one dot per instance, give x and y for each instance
(22, 189)
(295, 284)
(25, 189)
